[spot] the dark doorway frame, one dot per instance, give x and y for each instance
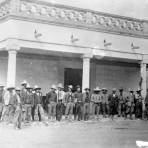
(72, 76)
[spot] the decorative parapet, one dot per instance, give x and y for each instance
(4, 8)
(79, 18)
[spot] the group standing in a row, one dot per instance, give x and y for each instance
(28, 104)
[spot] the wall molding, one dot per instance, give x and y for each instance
(67, 16)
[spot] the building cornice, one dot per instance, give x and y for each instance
(44, 12)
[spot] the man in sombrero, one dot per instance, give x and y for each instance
(105, 105)
(78, 104)
(69, 101)
(86, 104)
(138, 104)
(23, 96)
(29, 102)
(39, 112)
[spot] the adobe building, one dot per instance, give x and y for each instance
(46, 43)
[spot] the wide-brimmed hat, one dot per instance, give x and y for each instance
(97, 89)
(36, 87)
(78, 86)
(10, 87)
(104, 89)
(130, 90)
(121, 88)
(17, 89)
(28, 86)
(1, 85)
(87, 88)
(138, 90)
(24, 82)
(114, 89)
(53, 87)
(70, 86)
(60, 85)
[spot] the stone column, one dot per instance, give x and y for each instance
(143, 81)
(11, 72)
(86, 71)
(143, 77)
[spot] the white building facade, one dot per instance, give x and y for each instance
(46, 43)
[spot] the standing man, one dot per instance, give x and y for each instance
(138, 104)
(33, 106)
(29, 102)
(52, 102)
(105, 105)
(96, 101)
(130, 104)
(86, 102)
(23, 96)
(69, 100)
(113, 99)
(12, 101)
(1, 99)
(18, 111)
(60, 108)
(146, 105)
(78, 103)
(39, 112)
(121, 103)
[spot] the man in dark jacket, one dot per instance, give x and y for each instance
(113, 99)
(39, 112)
(138, 104)
(121, 103)
(86, 102)
(52, 102)
(78, 104)
(29, 102)
(129, 106)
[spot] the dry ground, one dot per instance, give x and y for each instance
(105, 133)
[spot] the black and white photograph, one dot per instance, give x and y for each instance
(73, 73)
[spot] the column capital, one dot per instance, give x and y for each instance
(143, 63)
(13, 48)
(87, 56)
(145, 59)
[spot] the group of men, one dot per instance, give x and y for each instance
(28, 104)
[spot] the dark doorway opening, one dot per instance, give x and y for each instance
(72, 77)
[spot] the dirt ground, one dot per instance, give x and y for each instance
(103, 133)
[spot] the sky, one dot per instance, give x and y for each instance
(131, 8)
